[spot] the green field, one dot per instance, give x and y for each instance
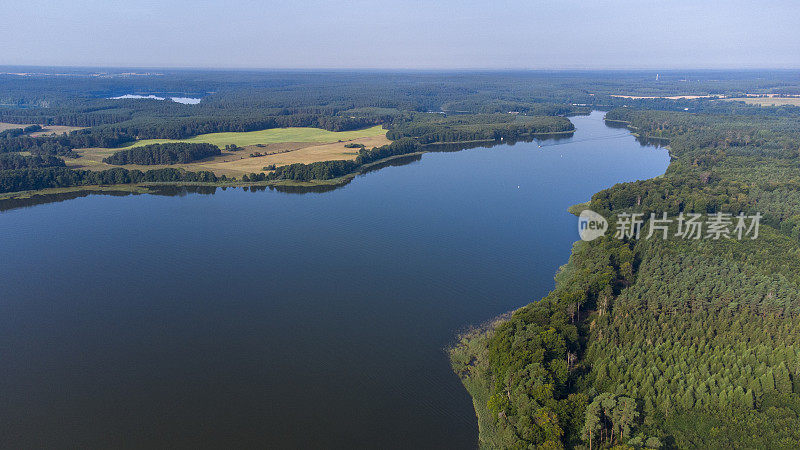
(273, 135)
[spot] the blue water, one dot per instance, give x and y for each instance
(184, 100)
(268, 319)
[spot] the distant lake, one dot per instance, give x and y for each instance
(184, 100)
(274, 319)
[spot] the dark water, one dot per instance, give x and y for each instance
(269, 319)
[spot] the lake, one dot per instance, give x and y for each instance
(285, 320)
(184, 100)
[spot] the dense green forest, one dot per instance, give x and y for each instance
(169, 153)
(663, 343)
(13, 161)
(432, 128)
(61, 177)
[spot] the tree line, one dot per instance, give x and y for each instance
(14, 132)
(61, 177)
(64, 144)
(168, 153)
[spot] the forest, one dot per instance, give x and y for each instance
(663, 343)
(169, 153)
(13, 161)
(62, 177)
(439, 128)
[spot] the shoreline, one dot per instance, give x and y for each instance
(469, 355)
(144, 187)
(147, 187)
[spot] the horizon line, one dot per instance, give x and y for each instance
(408, 69)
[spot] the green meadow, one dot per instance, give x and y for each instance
(270, 136)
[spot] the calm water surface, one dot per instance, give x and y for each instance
(184, 100)
(268, 319)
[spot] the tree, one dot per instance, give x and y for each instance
(624, 416)
(594, 420)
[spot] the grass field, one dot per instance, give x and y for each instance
(767, 101)
(271, 136)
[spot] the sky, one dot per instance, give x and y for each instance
(445, 34)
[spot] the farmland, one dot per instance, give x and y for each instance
(272, 136)
(254, 157)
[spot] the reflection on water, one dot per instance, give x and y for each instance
(394, 162)
(182, 191)
(313, 189)
(41, 199)
(645, 141)
(7, 204)
(170, 190)
(650, 141)
(616, 124)
(459, 146)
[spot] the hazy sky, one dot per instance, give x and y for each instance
(402, 34)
